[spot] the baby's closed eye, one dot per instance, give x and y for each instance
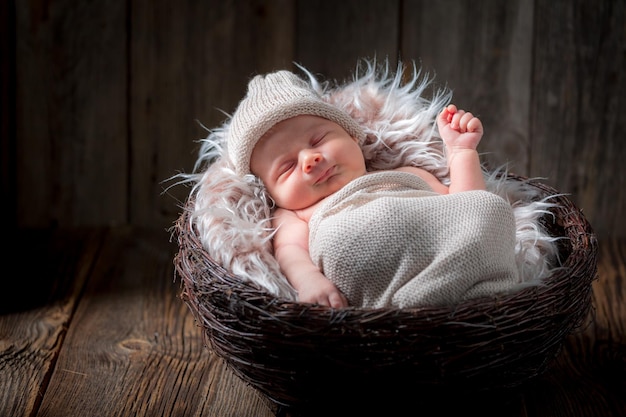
(284, 168)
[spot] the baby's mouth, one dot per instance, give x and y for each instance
(325, 175)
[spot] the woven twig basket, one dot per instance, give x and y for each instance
(299, 354)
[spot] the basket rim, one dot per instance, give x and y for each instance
(581, 261)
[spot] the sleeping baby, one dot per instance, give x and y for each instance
(348, 237)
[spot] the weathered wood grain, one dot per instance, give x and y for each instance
(332, 36)
(102, 99)
(71, 127)
(132, 347)
(579, 89)
(37, 301)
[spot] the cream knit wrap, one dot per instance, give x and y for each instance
(271, 99)
(386, 239)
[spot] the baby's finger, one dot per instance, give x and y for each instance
(465, 119)
(446, 114)
(337, 300)
(456, 119)
(451, 108)
(475, 125)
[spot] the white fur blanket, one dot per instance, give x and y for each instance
(388, 240)
(232, 214)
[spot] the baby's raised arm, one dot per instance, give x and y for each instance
(461, 132)
(291, 249)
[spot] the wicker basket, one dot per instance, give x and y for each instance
(297, 354)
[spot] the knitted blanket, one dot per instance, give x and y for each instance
(386, 239)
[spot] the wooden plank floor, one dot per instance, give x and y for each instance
(91, 325)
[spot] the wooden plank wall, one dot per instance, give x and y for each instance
(106, 99)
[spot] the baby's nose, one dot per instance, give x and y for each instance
(310, 161)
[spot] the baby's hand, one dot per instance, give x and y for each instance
(459, 129)
(318, 289)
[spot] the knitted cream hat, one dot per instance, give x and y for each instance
(271, 99)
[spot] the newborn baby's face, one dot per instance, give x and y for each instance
(305, 159)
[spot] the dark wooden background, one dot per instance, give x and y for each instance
(103, 101)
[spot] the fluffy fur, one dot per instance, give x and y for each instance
(232, 214)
